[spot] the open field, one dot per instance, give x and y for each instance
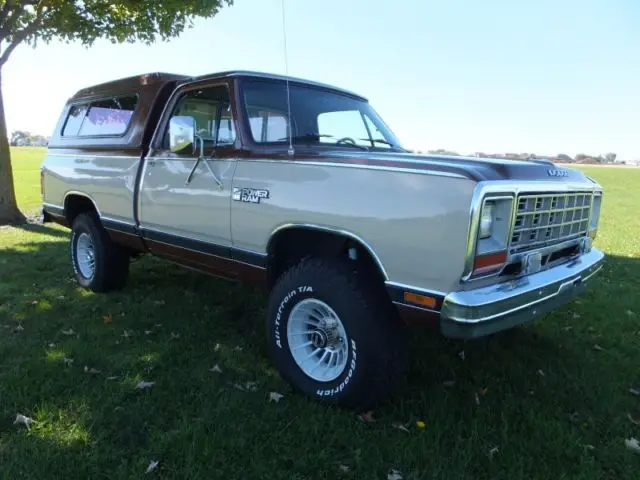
(26, 171)
(552, 400)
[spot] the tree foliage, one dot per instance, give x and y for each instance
(85, 21)
(22, 138)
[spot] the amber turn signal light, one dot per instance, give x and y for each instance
(490, 262)
(422, 300)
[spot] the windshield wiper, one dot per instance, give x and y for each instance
(306, 136)
(318, 136)
(377, 140)
(348, 144)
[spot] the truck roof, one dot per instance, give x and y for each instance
(131, 83)
(136, 81)
(273, 76)
(152, 91)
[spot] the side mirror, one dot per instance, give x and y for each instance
(182, 133)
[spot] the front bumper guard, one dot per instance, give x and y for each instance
(487, 310)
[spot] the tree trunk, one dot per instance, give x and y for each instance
(9, 212)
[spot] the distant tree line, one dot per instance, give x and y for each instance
(21, 138)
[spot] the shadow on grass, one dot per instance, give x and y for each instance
(171, 326)
(43, 229)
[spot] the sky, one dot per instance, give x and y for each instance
(546, 77)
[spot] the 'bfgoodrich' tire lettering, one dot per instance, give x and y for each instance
(376, 357)
(345, 382)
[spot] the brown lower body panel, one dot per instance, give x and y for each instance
(413, 317)
(211, 264)
(127, 240)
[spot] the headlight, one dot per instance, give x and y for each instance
(486, 220)
(490, 247)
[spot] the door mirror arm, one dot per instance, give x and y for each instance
(202, 157)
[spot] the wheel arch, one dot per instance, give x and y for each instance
(76, 203)
(292, 242)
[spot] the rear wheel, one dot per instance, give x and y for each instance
(98, 263)
(333, 336)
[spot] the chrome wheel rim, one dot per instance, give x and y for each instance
(85, 256)
(317, 340)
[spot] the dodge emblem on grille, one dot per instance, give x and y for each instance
(556, 172)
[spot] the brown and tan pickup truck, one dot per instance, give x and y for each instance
(303, 188)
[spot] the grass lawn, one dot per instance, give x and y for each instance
(26, 172)
(551, 400)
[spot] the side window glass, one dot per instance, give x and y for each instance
(211, 110)
(108, 117)
(340, 124)
(203, 111)
(74, 120)
(226, 129)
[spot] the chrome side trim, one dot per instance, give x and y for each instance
(88, 155)
(419, 171)
(321, 228)
(120, 222)
(259, 267)
(181, 159)
(414, 289)
(52, 205)
(82, 194)
(253, 252)
(420, 309)
(201, 252)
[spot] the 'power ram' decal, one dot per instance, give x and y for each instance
(249, 195)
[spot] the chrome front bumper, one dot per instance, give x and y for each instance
(486, 310)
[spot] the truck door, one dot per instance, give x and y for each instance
(184, 198)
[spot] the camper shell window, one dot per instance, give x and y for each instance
(100, 118)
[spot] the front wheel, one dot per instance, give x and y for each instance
(333, 336)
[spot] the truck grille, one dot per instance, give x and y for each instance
(543, 219)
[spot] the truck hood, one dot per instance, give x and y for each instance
(474, 168)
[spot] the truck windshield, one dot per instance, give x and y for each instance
(318, 116)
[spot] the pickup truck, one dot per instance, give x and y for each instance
(302, 188)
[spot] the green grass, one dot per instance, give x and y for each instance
(551, 402)
(26, 163)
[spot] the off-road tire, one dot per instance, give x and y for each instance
(111, 261)
(379, 360)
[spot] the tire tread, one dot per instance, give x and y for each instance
(385, 331)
